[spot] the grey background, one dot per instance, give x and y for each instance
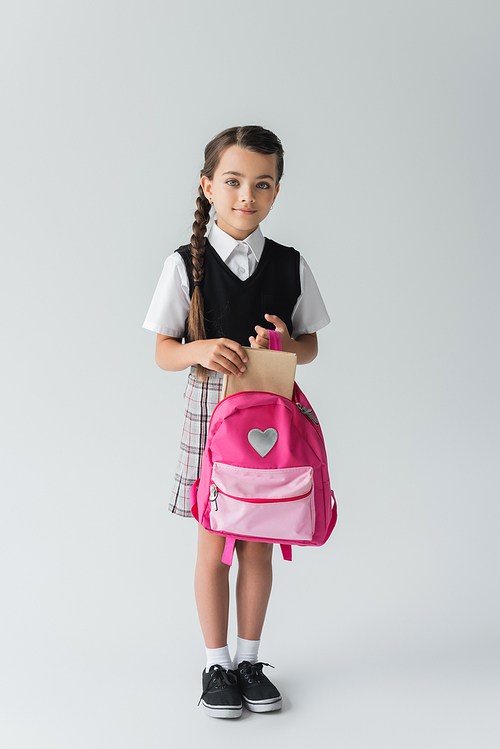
(389, 115)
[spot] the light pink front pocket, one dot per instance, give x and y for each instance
(263, 503)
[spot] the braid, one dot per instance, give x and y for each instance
(196, 319)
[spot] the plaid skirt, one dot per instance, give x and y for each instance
(200, 399)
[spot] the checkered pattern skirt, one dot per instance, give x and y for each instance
(200, 399)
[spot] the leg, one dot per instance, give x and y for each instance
(211, 584)
(220, 697)
(253, 586)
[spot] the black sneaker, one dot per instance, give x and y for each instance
(220, 697)
(258, 694)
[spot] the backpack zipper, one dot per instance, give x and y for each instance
(214, 493)
(213, 496)
(308, 412)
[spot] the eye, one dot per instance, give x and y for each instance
(263, 185)
(232, 182)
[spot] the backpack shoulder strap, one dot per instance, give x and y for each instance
(227, 555)
(286, 551)
(274, 340)
(193, 496)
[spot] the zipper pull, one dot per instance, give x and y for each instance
(308, 412)
(213, 497)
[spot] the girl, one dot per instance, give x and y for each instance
(215, 296)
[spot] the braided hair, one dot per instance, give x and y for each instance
(251, 138)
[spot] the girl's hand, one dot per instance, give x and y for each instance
(222, 355)
(262, 338)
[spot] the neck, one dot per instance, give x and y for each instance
(239, 235)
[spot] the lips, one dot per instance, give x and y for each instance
(244, 211)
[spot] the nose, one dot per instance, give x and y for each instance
(246, 194)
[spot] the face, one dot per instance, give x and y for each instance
(243, 190)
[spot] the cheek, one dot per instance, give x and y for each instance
(226, 195)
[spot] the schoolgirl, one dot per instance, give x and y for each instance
(215, 296)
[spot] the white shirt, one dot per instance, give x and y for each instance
(170, 305)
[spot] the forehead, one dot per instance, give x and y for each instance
(247, 163)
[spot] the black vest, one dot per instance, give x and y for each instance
(234, 307)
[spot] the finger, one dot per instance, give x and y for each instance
(226, 361)
(262, 332)
(232, 364)
(224, 366)
(256, 342)
(225, 370)
(277, 322)
(237, 348)
(230, 355)
(263, 341)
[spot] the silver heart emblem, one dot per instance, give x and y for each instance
(263, 442)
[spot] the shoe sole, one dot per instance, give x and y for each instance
(223, 711)
(263, 707)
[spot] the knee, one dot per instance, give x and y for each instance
(254, 552)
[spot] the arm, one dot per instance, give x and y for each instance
(220, 354)
(305, 346)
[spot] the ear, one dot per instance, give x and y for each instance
(276, 191)
(206, 186)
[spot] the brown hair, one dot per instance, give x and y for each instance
(251, 138)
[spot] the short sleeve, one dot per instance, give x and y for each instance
(170, 305)
(309, 314)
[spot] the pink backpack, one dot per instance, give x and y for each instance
(264, 474)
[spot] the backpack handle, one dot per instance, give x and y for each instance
(274, 340)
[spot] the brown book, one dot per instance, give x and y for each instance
(268, 371)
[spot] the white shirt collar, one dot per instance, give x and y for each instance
(225, 244)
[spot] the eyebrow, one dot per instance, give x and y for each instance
(238, 174)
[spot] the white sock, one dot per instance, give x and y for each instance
(246, 650)
(218, 656)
